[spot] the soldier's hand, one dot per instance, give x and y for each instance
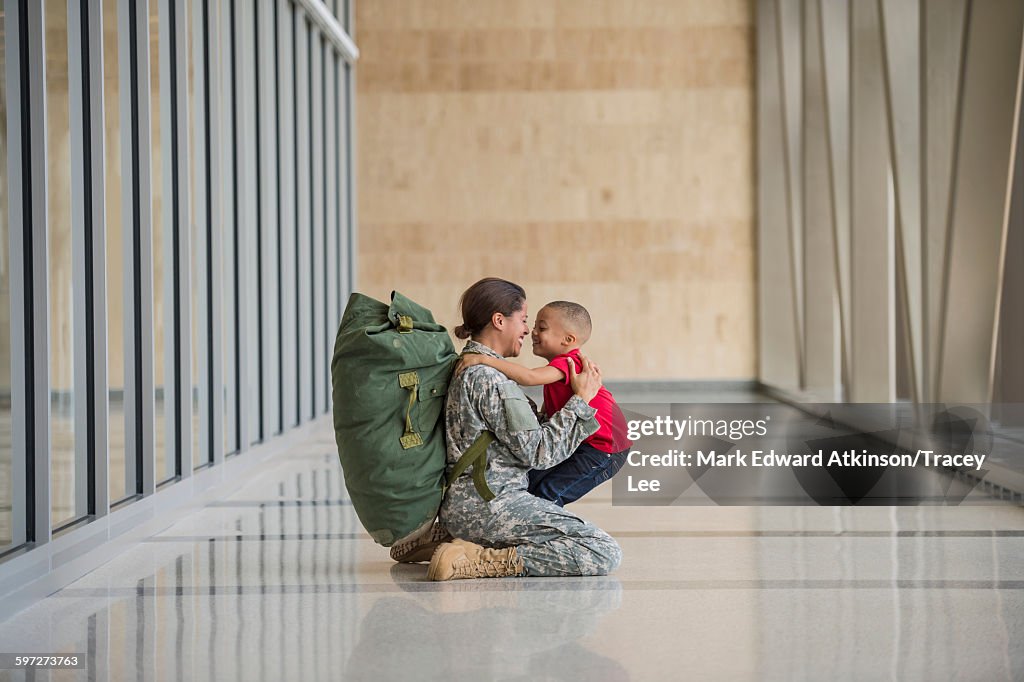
(587, 382)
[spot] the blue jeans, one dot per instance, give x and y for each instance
(568, 481)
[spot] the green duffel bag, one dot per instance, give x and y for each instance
(390, 373)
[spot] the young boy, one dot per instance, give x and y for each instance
(559, 331)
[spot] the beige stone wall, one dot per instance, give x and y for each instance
(593, 150)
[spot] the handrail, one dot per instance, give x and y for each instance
(332, 30)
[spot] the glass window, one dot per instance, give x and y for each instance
(287, 178)
(317, 280)
(304, 225)
(61, 284)
(268, 82)
(229, 207)
(198, 226)
(345, 191)
(250, 219)
(163, 340)
(116, 284)
(330, 82)
(6, 467)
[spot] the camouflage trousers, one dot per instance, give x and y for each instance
(550, 540)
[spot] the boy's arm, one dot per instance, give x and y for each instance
(524, 376)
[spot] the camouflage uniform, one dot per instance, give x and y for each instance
(550, 540)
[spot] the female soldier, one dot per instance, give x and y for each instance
(515, 533)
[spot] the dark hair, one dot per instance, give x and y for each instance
(575, 316)
(488, 296)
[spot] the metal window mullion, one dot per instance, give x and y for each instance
(303, 218)
(341, 186)
(341, 182)
(199, 272)
(351, 231)
(287, 18)
(317, 287)
(97, 255)
(127, 212)
(17, 272)
(81, 227)
(226, 183)
(26, 138)
(138, 255)
(39, 283)
(167, 239)
(242, 221)
(78, 220)
(269, 200)
(207, 245)
(251, 379)
(330, 90)
(215, 218)
(181, 282)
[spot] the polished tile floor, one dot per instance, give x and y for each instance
(279, 581)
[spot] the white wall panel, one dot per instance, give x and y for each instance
(891, 183)
(900, 21)
(778, 357)
(981, 200)
(821, 337)
(872, 304)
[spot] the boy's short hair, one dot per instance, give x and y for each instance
(575, 317)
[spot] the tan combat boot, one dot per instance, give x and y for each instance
(421, 547)
(461, 559)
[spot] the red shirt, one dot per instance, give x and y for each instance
(611, 437)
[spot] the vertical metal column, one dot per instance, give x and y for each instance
(267, 80)
(304, 218)
(215, 224)
(330, 194)
(316, 272)
(26, 163)
(181, 233)
(201, 225)
(96, 255)
(246, 343)
(138, 253)
(227, 184)
(168, 240)
(352, 223)
(352, 227)
(287, 136)
(80, 115)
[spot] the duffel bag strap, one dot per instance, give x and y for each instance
(476, 456)
(411, 381)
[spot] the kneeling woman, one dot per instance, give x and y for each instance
(515, 533)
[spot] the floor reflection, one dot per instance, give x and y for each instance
(508, 629)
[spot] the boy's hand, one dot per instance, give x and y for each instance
(467, 360)
(587, 382)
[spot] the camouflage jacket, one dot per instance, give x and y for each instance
(482, 398)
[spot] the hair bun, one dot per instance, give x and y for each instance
(460, 332)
